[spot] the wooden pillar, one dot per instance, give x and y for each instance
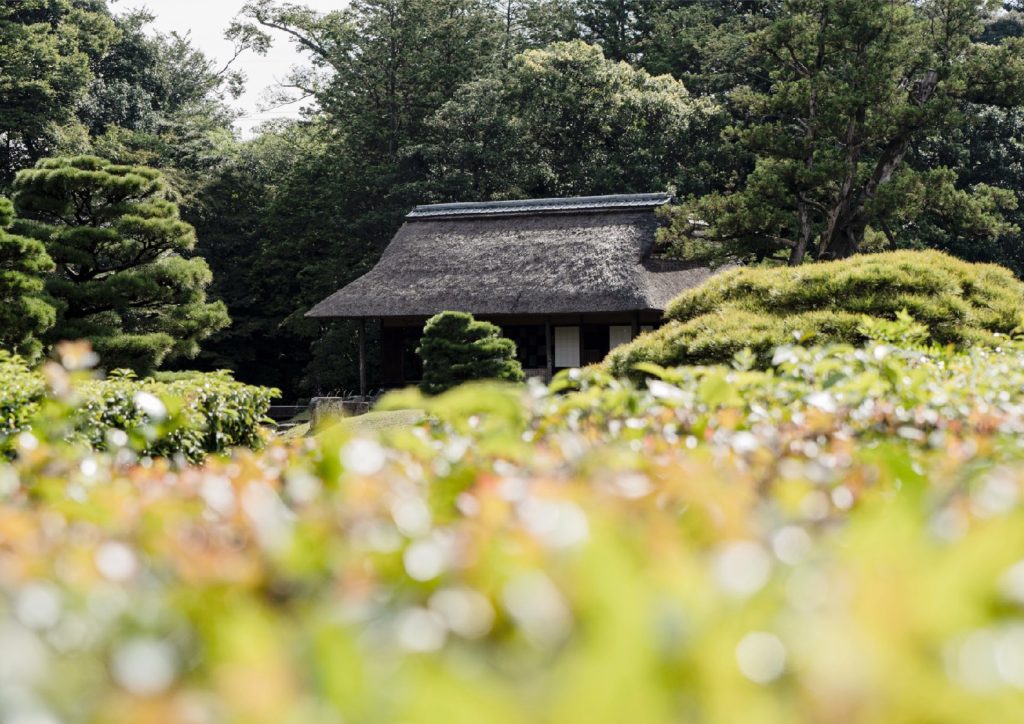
(549, 346)
(362, 357)
(636, 324)
(581, 341)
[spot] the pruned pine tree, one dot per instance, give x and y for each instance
(122, 279)
(456, 348)
(25, 313)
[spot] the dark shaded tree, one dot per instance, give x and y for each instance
(378, 70)
(706, 44)
(276, 249)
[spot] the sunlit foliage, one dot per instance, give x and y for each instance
(760, 308)
(185, 416)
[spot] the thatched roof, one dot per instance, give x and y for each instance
(540, 256)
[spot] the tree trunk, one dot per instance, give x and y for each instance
(844, 233)
(796, 256)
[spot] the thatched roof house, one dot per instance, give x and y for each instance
(555, 273)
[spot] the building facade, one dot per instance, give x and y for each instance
(566, 279)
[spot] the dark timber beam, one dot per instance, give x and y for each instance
(362, 357)
(581, 341)
(549, 346)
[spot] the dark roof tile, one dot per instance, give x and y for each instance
(542, 206)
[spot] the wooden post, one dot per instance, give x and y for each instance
(549, 346)
(636, 324)
(362, 357)
(581, 341)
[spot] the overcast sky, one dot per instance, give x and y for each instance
(205, 21)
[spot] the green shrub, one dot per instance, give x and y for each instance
(762, 308)
(457, 348)
(190, 415)
(21, 389)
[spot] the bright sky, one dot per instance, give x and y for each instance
(205, 21)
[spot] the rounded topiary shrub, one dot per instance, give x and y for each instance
(457, 348)
(762, 308)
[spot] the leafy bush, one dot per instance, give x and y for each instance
(21, 389)
(837, 538)
(191, 415)
(762, 308)
(457, 348)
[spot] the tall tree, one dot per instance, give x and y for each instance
(707, 44)
(562, 121)
(121, 280)
(986, 153)
(378, 70)
(147, 76)
(853, 84)
(24, 311)
(47, 50)
(381, 67)
(158, 101)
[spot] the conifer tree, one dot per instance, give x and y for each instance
(24, 312)
(121, 280)
(851, 87)
(457, 348)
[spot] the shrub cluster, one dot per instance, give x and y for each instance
(837, 538)
(762, 308)
(457, 348)
(189, 415)
(21, 390)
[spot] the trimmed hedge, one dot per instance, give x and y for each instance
(191, 415)
(763, 308)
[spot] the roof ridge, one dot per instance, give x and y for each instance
(546, 205)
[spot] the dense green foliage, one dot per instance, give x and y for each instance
(837, 539)
(456, 348)
(762, 308)
(122, 281)
(47, 49)
(21, 390)
(188, 415)
(564, 121)
(852, 84)
(24, 313)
